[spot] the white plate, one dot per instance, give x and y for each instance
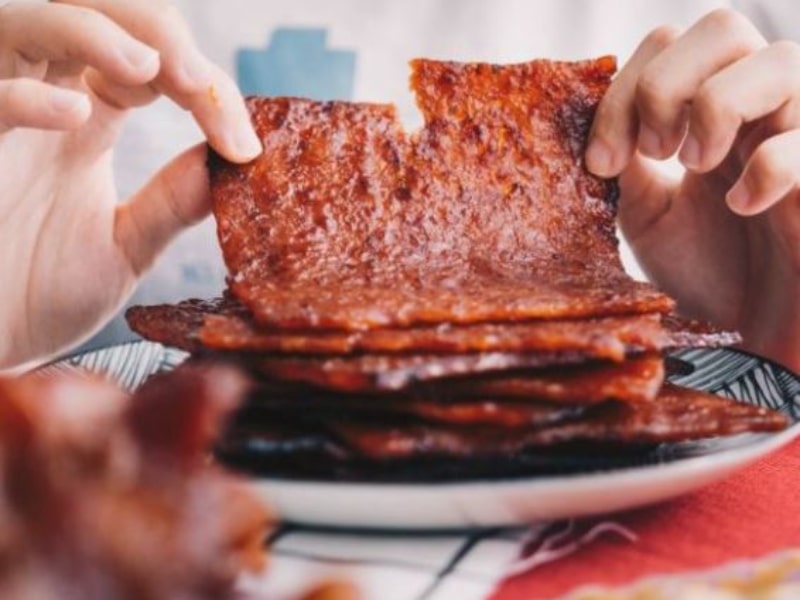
(676, 469)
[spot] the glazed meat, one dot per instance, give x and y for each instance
(606, 338)
(634, 380)
(447, 303)
(513, 415)
(375, 372)
(225, 325)
(178, 325)
(486, 214)
(677, 414)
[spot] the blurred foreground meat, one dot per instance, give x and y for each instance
(109, 497)
(112, 497)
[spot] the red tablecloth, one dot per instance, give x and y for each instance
(751, 515)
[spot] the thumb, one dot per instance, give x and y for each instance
(645, 196)
(177, 197)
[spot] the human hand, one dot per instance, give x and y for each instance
(725, 239)
(69, 73)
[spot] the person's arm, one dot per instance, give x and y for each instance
(725, 239)
(69, 73)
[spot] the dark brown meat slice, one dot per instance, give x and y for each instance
(690, 333)
(512, 415)
(303, 454)
(224, 324)
(677, 414)
(634, 380)
(374, 372)
(609, 435)
(486, 214)
(608, 338)
(178, 325)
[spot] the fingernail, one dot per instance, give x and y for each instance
(142, 59)
(649, 142)
(246, 143)
(739, 198)
(599, 158)
(690, 154)
(62, 100)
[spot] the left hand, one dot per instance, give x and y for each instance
(70, 72)
(725, 239)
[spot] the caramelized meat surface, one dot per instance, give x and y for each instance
(677, 414)
(486, 214)
(691, 333)
(605, 338)
(634, 380)
(511, 415)
(376, 372)
(178, 325)
(225, 325)
(453, 298)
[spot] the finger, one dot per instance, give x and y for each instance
(32, 103)
(743, 92)
(672, 79)
(50, 32)
(119, 96)
(176, 198)
(771, 173)
(646, 195)
(612, 140)
(186, 75)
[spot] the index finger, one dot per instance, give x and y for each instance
(186, 76)
(613, 138)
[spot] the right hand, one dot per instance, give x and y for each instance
(723, 239)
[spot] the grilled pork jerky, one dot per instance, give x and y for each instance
(223, 324)
(634, 380)
(178, 324)
(606, 338)
(486, 214)
(512, 415)
(678, 414)
(373, 372)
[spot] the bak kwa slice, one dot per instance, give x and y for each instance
(635, 380)
(604, 338)
(225, 325)
(376, 372)
(480, 412)
(678, 414)
(486, 214)
(609, 435)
